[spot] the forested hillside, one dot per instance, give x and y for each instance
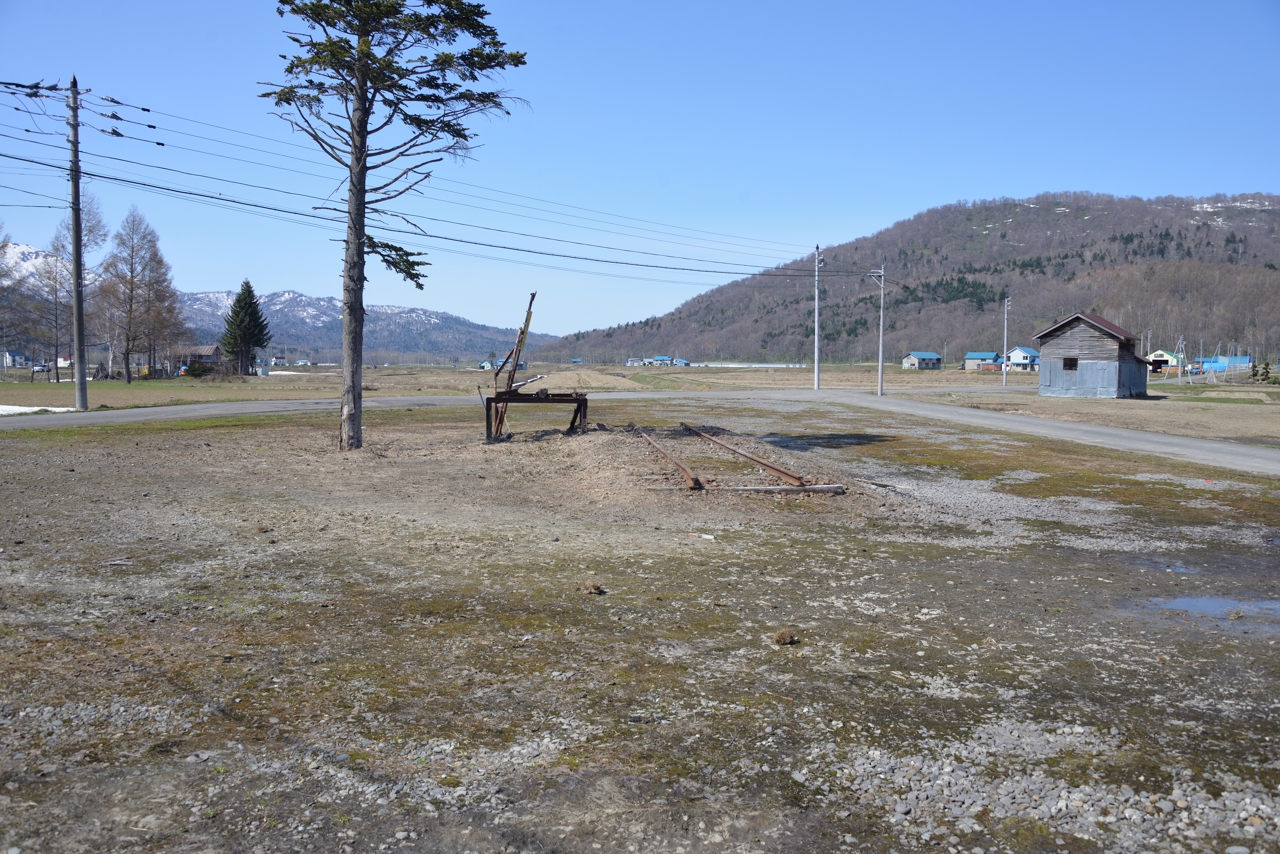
(1200, 268)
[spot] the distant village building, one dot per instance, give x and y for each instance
(922, 360)
(15, 359)
(1089, 356)
(635, 362)
(1023, 359)
(1162, 359)
(209, 355)
(974, 361)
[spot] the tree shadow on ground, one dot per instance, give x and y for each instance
(823, 440)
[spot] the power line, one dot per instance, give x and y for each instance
(415, 216)
(30, 193)
(117, 133)
(448, 180)
(619, 216)
(416, 233)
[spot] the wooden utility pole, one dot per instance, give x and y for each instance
(77, 254)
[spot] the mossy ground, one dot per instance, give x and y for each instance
(279, 595)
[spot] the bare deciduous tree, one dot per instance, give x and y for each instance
(139, 303)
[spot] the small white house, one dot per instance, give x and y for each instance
(922, 360)
(978, 360)
(15, 359)
(1022, 359)
(635, 362)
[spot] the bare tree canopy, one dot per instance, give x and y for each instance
(385, 88)
(140, 305)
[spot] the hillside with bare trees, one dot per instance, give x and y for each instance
(1205, 269)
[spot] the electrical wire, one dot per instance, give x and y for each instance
(116, 132)
(225, 201)
(30, 193)
(309, 197)
(116, 102)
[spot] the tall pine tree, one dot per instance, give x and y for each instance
(247, 330)
(386, 88)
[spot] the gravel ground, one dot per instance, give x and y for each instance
(228, 637)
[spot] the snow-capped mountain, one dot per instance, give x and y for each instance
(312, 326)
(23, 262)
(305, 323)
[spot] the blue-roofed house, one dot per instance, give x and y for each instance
(974, 360)
(1023, 359)
(922, 360)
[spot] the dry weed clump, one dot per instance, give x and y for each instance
(786, 637)
(591, 588)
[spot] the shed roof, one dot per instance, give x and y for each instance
(976, 354)
(1100, 323)
(207, 350)
(924, 354)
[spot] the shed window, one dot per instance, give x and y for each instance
(1071, 363)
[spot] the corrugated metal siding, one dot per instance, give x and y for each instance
(1092, 379)
(1133, 379)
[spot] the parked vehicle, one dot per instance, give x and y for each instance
(41, 369)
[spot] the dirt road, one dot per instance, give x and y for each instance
(1247, 458)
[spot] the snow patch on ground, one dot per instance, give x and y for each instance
(23, 410)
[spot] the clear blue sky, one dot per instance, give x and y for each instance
(798, 123)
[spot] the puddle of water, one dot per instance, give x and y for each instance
(1209, 606)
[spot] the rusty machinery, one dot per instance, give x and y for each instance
(507, 391)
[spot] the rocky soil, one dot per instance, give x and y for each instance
(226, 636)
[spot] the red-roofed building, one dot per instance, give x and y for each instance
(1089, 356)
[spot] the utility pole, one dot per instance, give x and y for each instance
(1004, 363)
(880, 362)
(818, 263)
(77, 253)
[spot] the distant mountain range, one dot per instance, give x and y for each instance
(304, 325)
(1204, 269)
(311, 327)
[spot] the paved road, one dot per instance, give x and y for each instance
(1248, 458)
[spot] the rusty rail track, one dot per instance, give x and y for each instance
(690, 478)
(777, 471)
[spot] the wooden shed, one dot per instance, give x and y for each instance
(1089, 356)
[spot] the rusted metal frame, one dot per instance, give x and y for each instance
(690, 478)
(577, 424)
(513, 358)
(777, 471)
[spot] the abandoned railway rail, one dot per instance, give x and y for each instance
(795, 483)
(775, 470)
(690, 479)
